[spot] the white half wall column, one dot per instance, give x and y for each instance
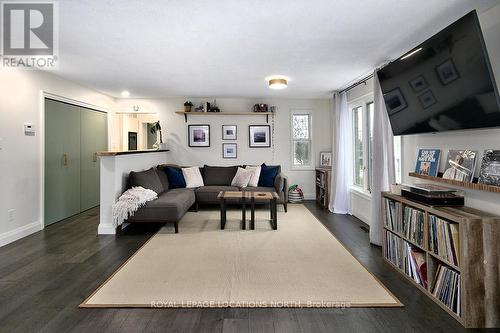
(114, 172)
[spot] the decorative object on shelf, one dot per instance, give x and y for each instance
(188, 106)
(325, 159)
(200, 108)
(427, 99)
(460, 165)
(199, 135)
(418, 84)
(395, 101)
(447, 72)
(156, 127)
(213, 107)
(259, 136)
(272, 108)
(428, 162)
(229, 150)
(206, 107)
(490, 168)
(295, 194)
(260, 108)
(229, 132)
(396, 189)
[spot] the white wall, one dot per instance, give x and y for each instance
(176, 132)
(475, 140)
(20, 155)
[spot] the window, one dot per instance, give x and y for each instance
(301, 140)
(357, 118)
(362, 124)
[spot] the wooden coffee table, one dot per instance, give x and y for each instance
(251, 198)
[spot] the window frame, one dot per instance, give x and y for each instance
(362, 102)
(312, 160)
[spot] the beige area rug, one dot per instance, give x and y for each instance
(299, 265)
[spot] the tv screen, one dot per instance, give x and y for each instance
(444, 84)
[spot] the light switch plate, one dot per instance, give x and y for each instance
(29, 129)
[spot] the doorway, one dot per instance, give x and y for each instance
(73, 136)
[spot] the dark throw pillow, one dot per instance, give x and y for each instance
(218, 176)
(267, 175)
(148, 179)
(175, 178)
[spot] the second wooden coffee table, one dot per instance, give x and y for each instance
(248, 197)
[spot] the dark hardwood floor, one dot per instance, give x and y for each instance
(45, 276)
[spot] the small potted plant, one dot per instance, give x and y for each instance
(187, 106)
(157, 128)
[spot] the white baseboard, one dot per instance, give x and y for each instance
(106, 229)
(309, 196)
(18, 233)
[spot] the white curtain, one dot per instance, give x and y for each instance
(340, 202)
(383, 161)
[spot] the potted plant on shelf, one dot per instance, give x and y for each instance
(157, 128)
(187, 106)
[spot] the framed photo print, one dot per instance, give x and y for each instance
(259, 136)
(325, 159)
(447, 72)
(418, 84)
(427, 99)
(229, 132)
(395, 101)
(229, 150)
(199, 135)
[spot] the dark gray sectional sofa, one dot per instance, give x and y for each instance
(172, 204)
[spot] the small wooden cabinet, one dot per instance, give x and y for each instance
(323, 177)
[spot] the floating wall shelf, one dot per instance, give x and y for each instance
(192, 113)
(473, 186)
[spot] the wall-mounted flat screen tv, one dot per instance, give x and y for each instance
(444, 84)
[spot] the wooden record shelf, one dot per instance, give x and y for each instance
(473, 186)
(193, 113)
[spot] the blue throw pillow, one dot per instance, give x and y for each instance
(175, 178)
(267, 175)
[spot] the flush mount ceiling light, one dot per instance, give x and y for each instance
(125, 93)
(277, 82)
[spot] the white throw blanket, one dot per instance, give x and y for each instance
(129, 202)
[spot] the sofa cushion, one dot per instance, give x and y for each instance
(148, 179)
(241, 178)
(169, 207)
(216, 176)
(192, 176)
(175, 178)
(208, 194)
(163, 178)
(267, 175)
(254, 180)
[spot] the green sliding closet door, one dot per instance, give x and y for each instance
(93, 139)
(62, 161)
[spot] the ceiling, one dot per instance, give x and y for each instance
(226, 48)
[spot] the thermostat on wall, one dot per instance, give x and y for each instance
(29, 129)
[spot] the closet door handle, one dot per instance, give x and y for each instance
(65, 159)
(95, 157)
